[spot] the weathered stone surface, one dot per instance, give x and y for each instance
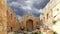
(8, 19)
(29, 22)
(12, 21)
(52, 12)
(3, 19)
(11, 33)
(1, 28)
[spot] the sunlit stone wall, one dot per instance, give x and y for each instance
(52, 12)
(3, 19)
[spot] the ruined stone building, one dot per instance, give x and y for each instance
(29, 22)
(12, 21)
(50, 15)
(48, 10)
(8, 19)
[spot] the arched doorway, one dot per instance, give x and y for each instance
(29, 25)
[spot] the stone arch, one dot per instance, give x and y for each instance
(29, 24)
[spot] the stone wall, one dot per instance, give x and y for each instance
(12, 21)
(8, 19)
(25, 21)
(48, 12)
(3, 19)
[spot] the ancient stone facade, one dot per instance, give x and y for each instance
(9, 22)
(8, 19)
(50, 13)
(3, 19)
(12, 21)
(29, 22)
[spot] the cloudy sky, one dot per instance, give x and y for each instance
(22, 7)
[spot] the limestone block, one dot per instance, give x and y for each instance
(11, 32)
(49, 32)
(1, 28)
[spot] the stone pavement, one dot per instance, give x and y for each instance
(19, 33)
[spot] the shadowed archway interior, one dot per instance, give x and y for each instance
(29, 25)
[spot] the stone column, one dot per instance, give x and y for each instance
(3, 17)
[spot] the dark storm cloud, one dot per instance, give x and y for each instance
(40, 4)
(22, 7)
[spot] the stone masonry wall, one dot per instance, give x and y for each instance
(3, 19)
